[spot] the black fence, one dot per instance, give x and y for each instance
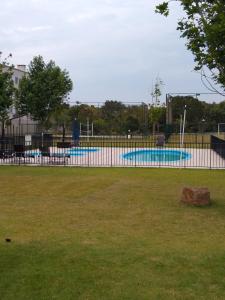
(46, 150)
(218, 145)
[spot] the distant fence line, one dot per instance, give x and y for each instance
(35, 128)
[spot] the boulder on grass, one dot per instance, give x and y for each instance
(196, 196)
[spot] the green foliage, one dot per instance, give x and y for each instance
(7, 91)
(43, 90)
(100, 127)
(197, 111)
(204, 29)
(156, 111)
(132, 124)
(113, 112)
(157, 91)
(116, 119)
(113, 117)
(163, 8)
(156, 116)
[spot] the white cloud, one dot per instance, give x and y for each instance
(112, 48)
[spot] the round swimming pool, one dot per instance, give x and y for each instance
(157, 155)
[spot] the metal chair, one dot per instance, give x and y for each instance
(20, 153)
(53, 157)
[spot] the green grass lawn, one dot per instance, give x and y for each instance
(109, 234)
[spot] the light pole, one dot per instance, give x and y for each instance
(184, 122)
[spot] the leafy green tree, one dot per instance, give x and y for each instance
(156, 109)
(112, 113)
(43, 90)
(195, 111)
(100, 126)
(132, 124)
(157, 92)
(7, 91)
(204, 28)
(87, 112)
(156, 117)
(61, 118)
(214, 113)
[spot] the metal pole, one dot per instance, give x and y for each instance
(167, 109)
(92, 129)
(42, 139)
(88, 129)
(19, 126)
(185, 112)
(181, 123)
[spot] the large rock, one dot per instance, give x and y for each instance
(196, 196)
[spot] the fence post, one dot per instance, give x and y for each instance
(135, 161)
(111, 154)
(210, 157)
(88, 154)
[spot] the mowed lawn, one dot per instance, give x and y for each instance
(109, 234)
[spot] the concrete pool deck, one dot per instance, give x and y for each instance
(113, 157)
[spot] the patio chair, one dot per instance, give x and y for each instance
(64, 145)
(53, 157)
(6, 150)
(160, 141)
(5, 154)
(20, 153)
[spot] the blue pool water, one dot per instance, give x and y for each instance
(71, 152)
(157, 155)
(81, 151)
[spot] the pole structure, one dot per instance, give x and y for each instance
(181, 125)
(88, 128)
(184, 122)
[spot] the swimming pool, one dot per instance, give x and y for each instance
(157, 155)
(81, 151)
(71, 152)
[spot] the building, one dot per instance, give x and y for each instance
(19, 125)
(18, 73)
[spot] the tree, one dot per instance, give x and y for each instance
(156, 115)
(156, 110)
(6, 92)
(43, 90)
(157, 92)
(61, 118)
(195, 111)
(204, 29)
(112, 113)
(132, 124)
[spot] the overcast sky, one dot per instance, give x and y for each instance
(112, 49)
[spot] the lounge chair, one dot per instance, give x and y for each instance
(54, 157)
(20, 153)
(64, 145)
(160, 141)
